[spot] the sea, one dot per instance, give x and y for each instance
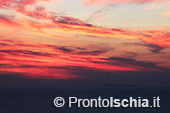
(40, 100)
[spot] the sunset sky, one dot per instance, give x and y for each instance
(95, 41)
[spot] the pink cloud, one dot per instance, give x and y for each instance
(124, 1)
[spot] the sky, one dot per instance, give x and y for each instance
(84, 42)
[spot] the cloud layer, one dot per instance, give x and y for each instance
(37, 60)
(51, 61)
(39, 18)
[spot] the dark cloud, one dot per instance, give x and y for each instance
(62, 48)
(131, 61)
(98, 13)
(25, 52)
(5, 65)
(6, 17)
(130, 54)
(155, 48)
(3, 44)
(151, 47)
(80, 48)
(6, 41)
(92, 53)
(70, 20)
(9, 19)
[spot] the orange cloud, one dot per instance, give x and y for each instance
(167, 13)
(40, 19)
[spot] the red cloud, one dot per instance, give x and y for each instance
(48, 61)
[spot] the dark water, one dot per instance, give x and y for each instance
(40, 100)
